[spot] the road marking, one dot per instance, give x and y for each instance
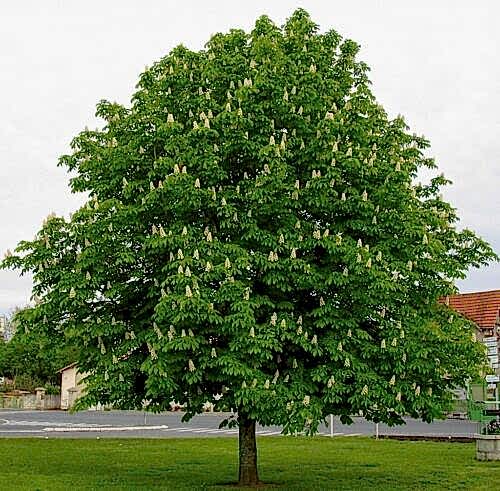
(176, 429)
(104, 428)
(183, 430)
(49, 423)
(196, 430)
(21, 431)
(209, 431)
(268, 433)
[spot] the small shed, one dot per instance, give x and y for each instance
(72, 385)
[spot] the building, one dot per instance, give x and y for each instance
(3, 326)
(483, 308)
(6, 328)
(71, 385)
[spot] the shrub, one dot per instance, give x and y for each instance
(492, 428)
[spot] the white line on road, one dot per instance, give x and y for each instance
(106, 428)
(53, 424)
(177, 429)
(210, 431)
(183, 430)
(21, 431)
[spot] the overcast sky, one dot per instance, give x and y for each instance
(435, 62)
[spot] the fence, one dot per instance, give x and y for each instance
(39, 400)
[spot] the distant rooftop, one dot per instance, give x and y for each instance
(483, 308)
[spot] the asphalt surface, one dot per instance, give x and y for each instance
(136, 424)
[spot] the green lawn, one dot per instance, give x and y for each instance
(285, 462)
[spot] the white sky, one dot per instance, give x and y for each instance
(435, 62)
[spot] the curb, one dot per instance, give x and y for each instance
(430, 438)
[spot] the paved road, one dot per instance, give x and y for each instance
(92, 424)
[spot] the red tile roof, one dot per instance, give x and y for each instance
(482, 307)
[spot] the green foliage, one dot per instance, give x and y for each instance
(254, 231)
(32, 358)
(492, 428)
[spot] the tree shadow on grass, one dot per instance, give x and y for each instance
(261, 485)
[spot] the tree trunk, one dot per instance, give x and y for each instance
(248, 475)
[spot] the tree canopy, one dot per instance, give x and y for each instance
(32, 358)
(254, 230)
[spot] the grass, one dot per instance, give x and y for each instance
(285, 463)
